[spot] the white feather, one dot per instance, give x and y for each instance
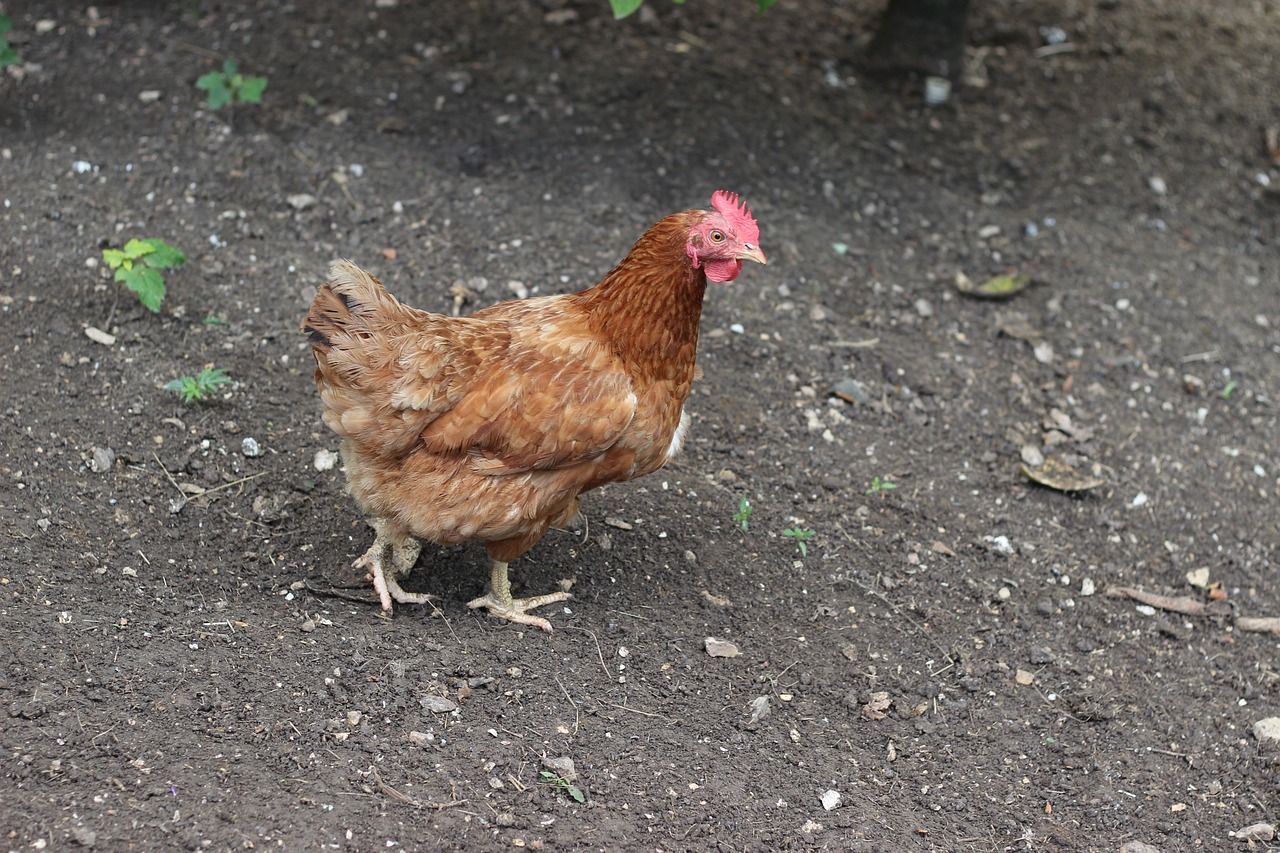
(678, 439)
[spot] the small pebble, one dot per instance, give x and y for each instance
(438, 704)
(103, 459)
(562, 766)
(831, 800)
(1267, 730)
(1138, 847)
(301, 201)
(718, 648)
(249, 447)
(1255, 832)
(325, 460)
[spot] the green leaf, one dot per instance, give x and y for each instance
(211, 80)
(765, 5)
(215, 83)
(623, 8)
(136, 248)
(229, 68)
(575, 792)
(162, 255)
(251, 89)
(8, 56)
(147, 283)
(114, 257)
(5, 24)
(211, 377)
(186, 387)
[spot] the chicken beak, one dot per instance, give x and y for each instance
(752, 252)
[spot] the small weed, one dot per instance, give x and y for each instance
(8, 56)
(1229, 389)
(743, 515)
(138, 265)
(800, 534)
(878, 485)
(196, 388)
(546, 777)
(229, 85)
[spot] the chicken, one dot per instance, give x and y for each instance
(489, 427)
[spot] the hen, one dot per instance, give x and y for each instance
(489, 427)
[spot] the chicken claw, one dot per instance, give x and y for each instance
(498, 600)
(404, 553)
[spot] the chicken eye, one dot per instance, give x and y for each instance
(716, 236)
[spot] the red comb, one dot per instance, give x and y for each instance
(739, 216)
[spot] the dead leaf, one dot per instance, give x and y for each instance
(997, 287)
(717, 600)
(1058, 475)
(877, 705)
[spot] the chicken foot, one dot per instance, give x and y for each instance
(395, 541)
(498, 600)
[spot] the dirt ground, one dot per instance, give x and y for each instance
(189, 662)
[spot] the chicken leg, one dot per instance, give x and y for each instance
(393, 540)
(498, 600)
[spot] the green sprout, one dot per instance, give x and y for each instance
(878, 485)
(743, 515)
(8, 56)
(196, 388)
(1228, 389)
(230, 85)
(800, 534)
(138, 265)
(623, 8)
(546, 777)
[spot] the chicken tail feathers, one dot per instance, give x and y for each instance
(346, 303)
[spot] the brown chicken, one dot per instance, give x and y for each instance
(489, 427)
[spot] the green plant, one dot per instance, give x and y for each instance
(623, 8)
(230, 85)
(546, 777)
(743, 515)
(1229, 389)
(878, 485)
(8, 56)
(138, 265)
(200, 386)
(800, 534)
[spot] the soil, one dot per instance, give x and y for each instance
(190, 663)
